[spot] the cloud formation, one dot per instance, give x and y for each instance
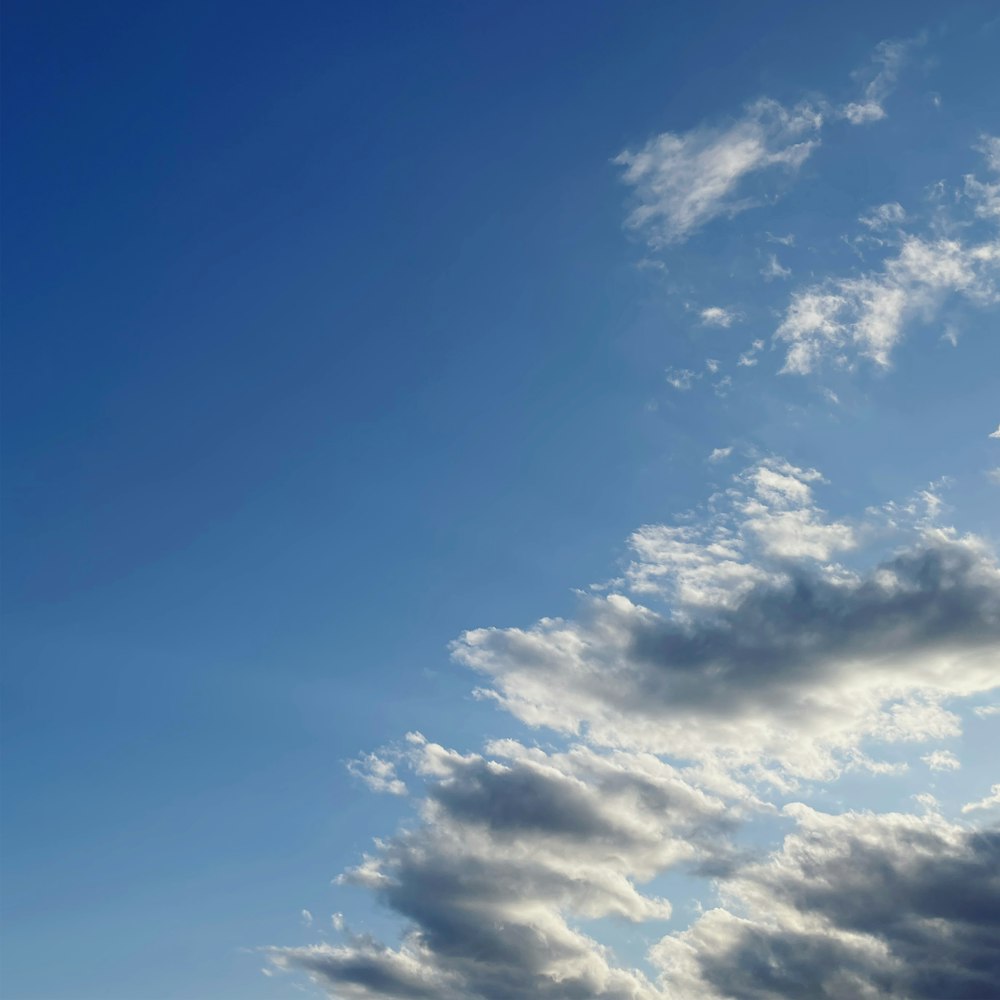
(767, 657)
(682, 181)
(855, 905)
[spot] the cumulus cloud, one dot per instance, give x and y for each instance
(683, 180)
(766, 652)
(718, 454)
(996, 433)
(856, 905)
(511, 844)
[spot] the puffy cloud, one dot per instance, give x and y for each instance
(719, 454)
(378, 773)
(682, 181)
(765, 653)
(511, 844)
(942, 760)
(996, 433)
(856, 905)
(718, 316)
(867, 314)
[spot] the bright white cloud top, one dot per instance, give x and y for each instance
(749, 655)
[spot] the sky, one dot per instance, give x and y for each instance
(500, 500)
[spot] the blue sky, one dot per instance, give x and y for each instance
(332, 334)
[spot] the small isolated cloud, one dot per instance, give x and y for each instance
(712, 365)
(883, 216)
(718, 454)
(985, 711)
(787, 240)
(718, 316)
(773, 270)
(991, 801)
(941, 760)
(749, 357)
(337, 921)
(378, 773)
(684, 180)
(996, 433)
(993, 475)
(307, 918)
(887, 61)
(681, 378)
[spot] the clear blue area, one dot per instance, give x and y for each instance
(322, 343)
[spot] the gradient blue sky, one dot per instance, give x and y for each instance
(327, 337)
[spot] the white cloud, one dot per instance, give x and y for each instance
(748, 358)
(773, 269)
(996, 433)
(883, 216)
(307, 918)
(941, 760)
(718, 454)
(681, 378)
(867, 314)
(378, 773)
(887, 61)
(990, 801)
(718, 316)
(682, 181)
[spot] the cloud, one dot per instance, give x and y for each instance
(773, 269)
(378, 773)
(991, 801)
(684, 180)
(867, 314)
(942, 760)
(717, 316)
(887, 61)
(681, 378)
(718, 454)
(883, 216)
(996, 433)
(767, 654)
(510, 845)
(855, 905)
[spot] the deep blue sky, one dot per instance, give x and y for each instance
(322, 343)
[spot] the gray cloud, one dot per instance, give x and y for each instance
(856, 905)
(511, 847)
(803, 664)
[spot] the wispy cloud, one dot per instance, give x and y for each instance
(684, 180)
